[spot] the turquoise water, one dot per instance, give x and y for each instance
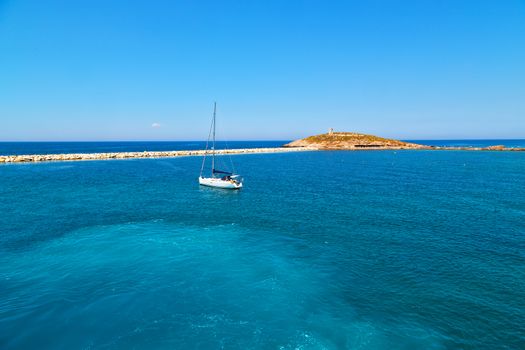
(320, 250)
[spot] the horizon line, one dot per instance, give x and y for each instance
(252, 140)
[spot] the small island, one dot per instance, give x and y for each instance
(351, 141)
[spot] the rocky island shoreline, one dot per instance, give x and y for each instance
(352, 141)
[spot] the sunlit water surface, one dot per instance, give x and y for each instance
(320, 250)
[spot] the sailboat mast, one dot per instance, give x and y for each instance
(213, 144)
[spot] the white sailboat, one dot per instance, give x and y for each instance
(225, 179)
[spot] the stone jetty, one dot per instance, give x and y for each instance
(489, 148)
(30, 158)
(145, 154)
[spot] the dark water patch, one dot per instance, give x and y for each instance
(18, 148)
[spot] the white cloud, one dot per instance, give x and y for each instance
(155, 125)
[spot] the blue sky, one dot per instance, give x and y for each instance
(150, 70)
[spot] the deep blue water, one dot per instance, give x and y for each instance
(16, 148)
(12, 148)
(320, 250)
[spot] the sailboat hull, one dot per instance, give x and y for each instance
(228, 182)
(219, 183)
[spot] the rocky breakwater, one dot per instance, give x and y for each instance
(352, 141)
(131, 155)
(489, 148)
(503, 148)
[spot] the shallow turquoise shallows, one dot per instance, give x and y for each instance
(320, 250)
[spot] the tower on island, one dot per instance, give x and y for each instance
(331, 131)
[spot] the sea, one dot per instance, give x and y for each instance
(319, 250)
(23, 148)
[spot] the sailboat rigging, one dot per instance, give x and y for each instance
(228, 180)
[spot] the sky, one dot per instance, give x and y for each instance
(279, 70)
